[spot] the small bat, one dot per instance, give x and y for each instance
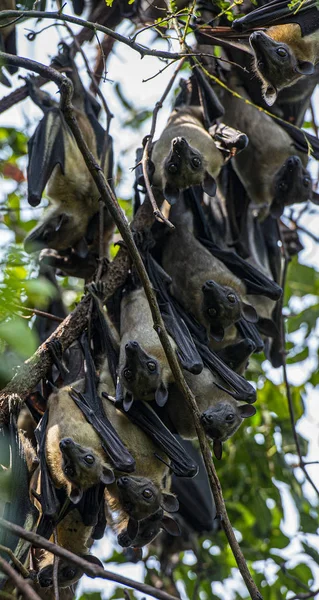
(271, 169)
(221, 415)
(56, 161)
(288, 49)
(143, 532)
(202, 284)
(144, 372)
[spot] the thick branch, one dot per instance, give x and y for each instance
(88, 568)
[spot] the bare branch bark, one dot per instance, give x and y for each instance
(23, 586)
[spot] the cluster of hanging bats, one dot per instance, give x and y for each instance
(106, 439)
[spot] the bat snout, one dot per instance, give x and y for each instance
(123, 482)
(66, 443)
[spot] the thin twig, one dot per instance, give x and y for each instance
(21, 584)
(88, 568)
(305, 596)
(286, 380)
(39, 313)
(56, 569)
(24, 572)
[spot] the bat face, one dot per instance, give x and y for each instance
(58, 231)
(222, 420)
(292, 184)
(67, 575)
(276, 64)
(141, 374)
(184, 165)
(236, 355)
(83, 467)
(221, 307)
(146, 531)
(140, 497)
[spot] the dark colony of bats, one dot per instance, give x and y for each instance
(106, 440)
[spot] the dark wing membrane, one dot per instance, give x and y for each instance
(278, 12)
(250, 331)
(49, 500)
(302, 140)
(46, 150)
(144, 417)
(176, 326)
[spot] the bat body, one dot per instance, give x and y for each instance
(203, 285)
(55, 162)
(185, 155)
(288, 49)
(221, 415)
(75, 536)
(144, 371)
(271, 169)
(74, 453)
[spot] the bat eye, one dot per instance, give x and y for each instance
(151, 365)
(128, 374)
(69, 471)
(281, 51)
(229, 418)
(231, 298)
(172, 169)
(306, 182)
(147, 493)
(212, 312)
(89, 459)
(69, 572)
(196, 162)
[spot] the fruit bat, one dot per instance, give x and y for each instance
(271, 168)
(17, 462)
(145, 531)
(8, 40)
(184, 326)
(288, 49)
(221, 415)
(76, 537)
(202, 283)
(185, 155)
(55, 161)
(144, 372)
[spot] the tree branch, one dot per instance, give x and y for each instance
(88, 568)
(25, 588)
(110, 200)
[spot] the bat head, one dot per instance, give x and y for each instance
(140, 497)
(142, 375)
(292, 184)
(221, 420)
(222, 307)
(68, 574)
(236, 355)
(184, 167)
(138, 534)
(276, 65)
(57, 231)
(83, 468)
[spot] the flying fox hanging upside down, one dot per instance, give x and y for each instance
(56, 161)
(288, 49)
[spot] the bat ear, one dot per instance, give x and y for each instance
(249, 313)
(315, 197)
(267, 327)
(270, 95)
(218, 449)
(171, 194)
(76, 495)
(209, 185)
(59, 221)
(305, 67)
(276, 209)
(170, 526)
(127, 401)
(246, 410)
(132, 529)
(217, 332)
(107, 476)
(94, 560)
(169, 502)
(161, 394)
